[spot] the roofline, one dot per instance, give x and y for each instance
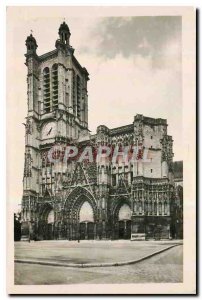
(55, 51)
(46, 55)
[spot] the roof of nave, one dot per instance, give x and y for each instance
(150, 121)
(130, 127)
(122, 129)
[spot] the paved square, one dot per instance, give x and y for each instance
(88, 251)
(164, 267)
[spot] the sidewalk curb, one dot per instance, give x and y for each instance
(72, 265)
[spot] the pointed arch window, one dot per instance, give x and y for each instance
(165, 208)
(155, 208)
(135, 207)
(140, 206)
(103, 203)
(150, 207)
(160, 208)
(46, 90)
(55, 86)
(146, 207)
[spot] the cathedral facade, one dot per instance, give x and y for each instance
(98, 199)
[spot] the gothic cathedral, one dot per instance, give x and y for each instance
(75, 200)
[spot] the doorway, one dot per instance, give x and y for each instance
(86, 222)
(124, 217)
(86, 231)
(125, 229)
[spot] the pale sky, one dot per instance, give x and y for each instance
(134, 65)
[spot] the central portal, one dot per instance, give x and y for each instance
(86, 222)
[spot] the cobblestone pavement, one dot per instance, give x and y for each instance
(88, 251)
(164, 267)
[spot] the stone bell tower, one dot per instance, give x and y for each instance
(57, 113)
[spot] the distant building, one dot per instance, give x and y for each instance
(178, 173)
(178, 205)
(97, 200)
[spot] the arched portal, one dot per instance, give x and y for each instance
(50, 217)
(80, 214)
(86, 222)
(124, 218)
(121, 219)
(46, 222)
(124, 212)
(86, 213)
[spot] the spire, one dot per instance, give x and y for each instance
(31, 44)
(64, 33)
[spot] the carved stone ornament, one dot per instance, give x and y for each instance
(28, 126)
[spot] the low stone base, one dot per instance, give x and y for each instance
(137, 237)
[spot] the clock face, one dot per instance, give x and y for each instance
(49, 130)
